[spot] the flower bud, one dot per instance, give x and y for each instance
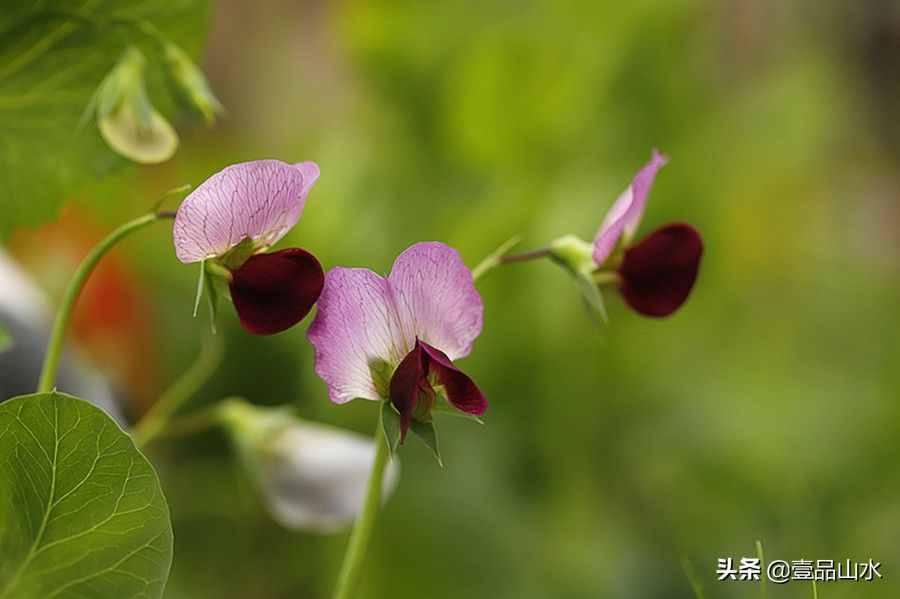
(127, 120)
(193, 83)
(310, 476)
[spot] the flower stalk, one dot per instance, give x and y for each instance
(73, 291)
(158, 416)
(525, 256)
(348, 579)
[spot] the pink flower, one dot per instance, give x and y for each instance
(655, 275)
(233, 218)
(397, 337)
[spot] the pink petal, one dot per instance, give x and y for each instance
(355, 323)
(436, 298)
(626, 213)
(261, 200)
(363, 318)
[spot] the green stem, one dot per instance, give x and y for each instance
(692, 577)
(365, 523)
(64, 313)
(157, 417)
(193, 423)
(524, 256)
(494, 258)
(762, 567)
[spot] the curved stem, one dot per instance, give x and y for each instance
(64, 312)
(196, 422)
(493, 259)
(365, 523)
(157, 417)
(532, 255)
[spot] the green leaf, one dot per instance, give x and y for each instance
(54, 55)
(390, 424)
(6, 339)
(82, 514)
(426, 432)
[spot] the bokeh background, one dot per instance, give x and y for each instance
(612, 455)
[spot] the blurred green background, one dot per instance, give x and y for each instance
(767, 408)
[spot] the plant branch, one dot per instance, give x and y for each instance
(73, 290)
(525, 256)
(494, 258)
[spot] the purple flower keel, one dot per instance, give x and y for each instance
(411, 389)
(273, 292)
(658, 273)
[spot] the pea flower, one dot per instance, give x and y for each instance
(309, 476)
(397, 337)
(229, 223)
(655, 275)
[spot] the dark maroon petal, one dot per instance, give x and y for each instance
(406, 383)
(658, 273)
(273, 292)
(461, 390)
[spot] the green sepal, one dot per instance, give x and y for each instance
(381, 373)
(573, 253)
(201, 284)
(252, 425)
(6, 339)
(206, 282)
(390, 424)
(444, 409)
(236, 256)
(590, 291)
(212, 300)
(576, 256)
(426, 432)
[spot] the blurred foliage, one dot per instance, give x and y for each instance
(53, 56)
(765, 409)
(6, 339)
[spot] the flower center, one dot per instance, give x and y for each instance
(412, 392)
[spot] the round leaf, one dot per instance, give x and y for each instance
(81, 510)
